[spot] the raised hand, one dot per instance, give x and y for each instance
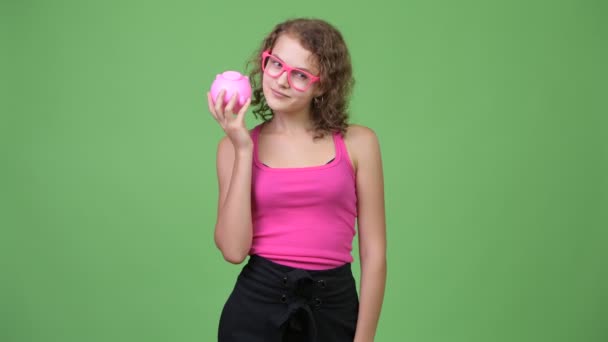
(232, 124)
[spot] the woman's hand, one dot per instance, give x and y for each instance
(233, 124)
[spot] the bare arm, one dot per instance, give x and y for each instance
(372, 230)
(233, 228)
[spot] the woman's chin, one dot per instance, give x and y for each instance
(277, 106)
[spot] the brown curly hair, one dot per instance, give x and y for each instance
(325, 42)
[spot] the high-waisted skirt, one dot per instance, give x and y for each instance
(276, 303)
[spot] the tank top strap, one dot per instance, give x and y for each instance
(340, 146)
(255, 133)
(342, 152)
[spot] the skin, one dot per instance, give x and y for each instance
(287, 141)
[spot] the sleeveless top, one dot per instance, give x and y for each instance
(304, 217)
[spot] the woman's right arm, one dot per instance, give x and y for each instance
(233, 228)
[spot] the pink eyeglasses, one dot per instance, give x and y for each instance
(298, 79)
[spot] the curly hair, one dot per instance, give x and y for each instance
(329, 110)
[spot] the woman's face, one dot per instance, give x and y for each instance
(279, 94)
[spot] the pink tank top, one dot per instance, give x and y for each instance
(304, 217)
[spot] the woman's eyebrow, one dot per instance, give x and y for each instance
(301, 68)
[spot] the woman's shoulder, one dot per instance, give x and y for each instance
(361, 143)
(359, 135)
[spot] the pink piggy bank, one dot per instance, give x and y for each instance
(232, 81)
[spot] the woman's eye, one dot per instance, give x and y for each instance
(301, 75)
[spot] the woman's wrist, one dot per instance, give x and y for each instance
(244, 151)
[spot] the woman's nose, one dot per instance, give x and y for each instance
(282, 79)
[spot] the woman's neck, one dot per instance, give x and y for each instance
(290, 123)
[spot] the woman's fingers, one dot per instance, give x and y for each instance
(210, 104)
(225, 116)
(241, 114)
(219, 106)
(230, 106)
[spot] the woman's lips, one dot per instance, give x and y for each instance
(278, 94)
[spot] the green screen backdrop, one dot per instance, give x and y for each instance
(492, 122)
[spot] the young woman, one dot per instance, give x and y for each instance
(290, 191)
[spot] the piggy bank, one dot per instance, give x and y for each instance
(232, 81)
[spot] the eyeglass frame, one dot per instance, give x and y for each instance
(287, 68)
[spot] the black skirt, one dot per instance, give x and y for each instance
(277, 303)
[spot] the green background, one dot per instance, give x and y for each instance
(492, 122)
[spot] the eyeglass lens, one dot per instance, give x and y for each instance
(297, 78)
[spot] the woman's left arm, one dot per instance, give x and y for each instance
(372, 229)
